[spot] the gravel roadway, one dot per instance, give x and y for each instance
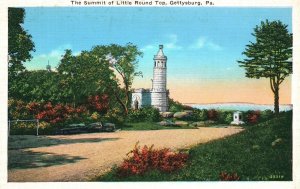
(85, 156)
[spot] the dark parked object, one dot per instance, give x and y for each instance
(82, 128)
(109, 127)
(73, 129)
(95, 127)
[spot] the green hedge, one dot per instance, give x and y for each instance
(147, 113)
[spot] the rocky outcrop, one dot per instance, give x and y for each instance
(167, 114)
(181, 123)
(166, 123)
(199, 124)
(181, 115)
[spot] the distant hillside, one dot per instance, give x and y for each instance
(240, 106)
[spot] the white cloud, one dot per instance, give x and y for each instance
(147, 47)
(56, 52)
(172, 43)
(214, 46)
(40, 61)
(203, 42)
(199, 43)
(76, 53)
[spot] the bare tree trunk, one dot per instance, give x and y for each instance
(275, 88)
(74, 101)
(125, 109)
(276, 100)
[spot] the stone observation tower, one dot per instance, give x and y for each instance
(158, 95)
(159, 85)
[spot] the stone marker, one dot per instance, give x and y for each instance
(237, 118)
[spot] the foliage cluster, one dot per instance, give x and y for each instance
(252, 117)
(218, 116)
(51, 116)
(147, 158)
(256, 116)
(98, 103)
(147, 113)
(19, 42)
(175, 106)
(56, 114)
(226, 116)
(224, 176)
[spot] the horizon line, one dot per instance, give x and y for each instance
(232, 103)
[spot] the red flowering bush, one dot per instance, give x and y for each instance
(55, 113)
(99, 103)
(148, 158)
(253, 117)
(212, 114)
(224, 176)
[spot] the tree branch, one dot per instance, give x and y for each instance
(272, 86)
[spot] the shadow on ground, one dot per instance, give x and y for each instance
(28, 141)
(20, 159)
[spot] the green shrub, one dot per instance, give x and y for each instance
(199, 115)
(225, 117)
(23, 128)
(95, 116)
(221, 116)
(114, 115)
(266, 114)
(202, 115)
(229, 118)
(175, 106)
(17, 109)
(147, 113)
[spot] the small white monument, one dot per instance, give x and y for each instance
(237, 118)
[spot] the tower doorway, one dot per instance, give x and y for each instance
(136, 104)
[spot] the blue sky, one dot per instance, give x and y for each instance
(202, 44)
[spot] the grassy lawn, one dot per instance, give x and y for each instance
(253, 155)
(151, 126)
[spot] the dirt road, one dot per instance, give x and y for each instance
(82, 157)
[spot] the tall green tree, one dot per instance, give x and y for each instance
(124, 61)
(106, 69)
(270, 56)
(83, 75)
(20, 42)
(20, 45)
(38, 86)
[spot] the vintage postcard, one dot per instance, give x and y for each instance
(177, 93)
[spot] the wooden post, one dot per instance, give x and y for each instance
(37, 128)
(8, 131)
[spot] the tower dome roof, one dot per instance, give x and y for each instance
(160, 53)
